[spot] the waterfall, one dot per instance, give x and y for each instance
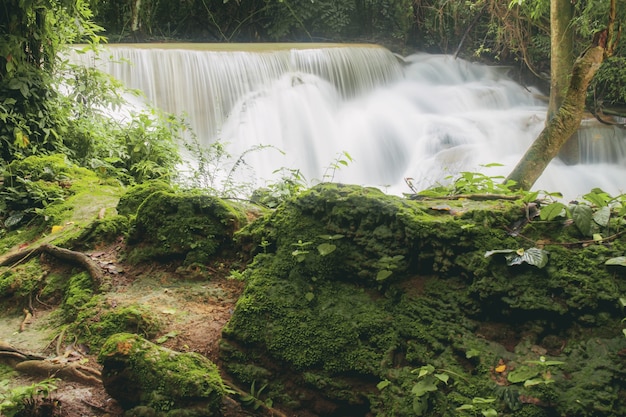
(427, 118)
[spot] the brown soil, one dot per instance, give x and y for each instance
(193, 305)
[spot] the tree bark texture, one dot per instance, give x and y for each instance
(561, 51)
(565, 121)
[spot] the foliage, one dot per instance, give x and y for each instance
(49, 106)
(608, 87)
(290, 184)
(214, 169)
(33, 34)
(135, 146)
(430, 381)
(32, 184)
(467, 182)
(253, 399)
(482, 406)
(535, 372)
(25, 400)
(532, 256)
(343, 159)
(599, 216)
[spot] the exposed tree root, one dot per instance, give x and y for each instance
(28, 318)
(79, 258)
(59, 367)
(71, 371)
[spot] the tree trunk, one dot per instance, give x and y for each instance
(135, 21)
(561, 52)
(565, 121)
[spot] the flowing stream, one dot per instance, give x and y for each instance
(424, 117)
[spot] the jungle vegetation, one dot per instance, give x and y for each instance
(49, 106)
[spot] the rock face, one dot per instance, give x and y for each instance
(152, 380)
(358, 302)
(186, 225)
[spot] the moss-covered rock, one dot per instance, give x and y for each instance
(56, 200)
(135, 195)
(160, 382)
(187, 225)
(351, 287)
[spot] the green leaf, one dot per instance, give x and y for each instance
(533, 256)
(598, 197)
(622, 301)
(425, 370)
(490, 412)
(552, 211)
(326, 248)
(309, 296)
(383, 384)
(383, 275)
(480, 400)
(522, 374)
(423, 387)
(583, 217)
(472, 353)
(465, 407)
(13, 219)
(620, 260)
(537, 381)
(166, 337)
(602, 216)
(443, 378)
(420, 406)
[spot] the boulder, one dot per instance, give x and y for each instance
(359, 302)
(152, 380)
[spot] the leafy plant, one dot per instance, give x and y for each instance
(343, 159)
(590, 216)
(18, 400)
(536, 372)
(467, 182)
(480, 406)
(291, 183)
(532, 256)
(253, 399)
(301, 250)
(213, 168)
(327, 248)
(430, 379)
(387, 265)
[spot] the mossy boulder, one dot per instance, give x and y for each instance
(135, 195)
(352, 292)
(156, 381)
(187, 225)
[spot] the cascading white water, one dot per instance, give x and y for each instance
(428, 119)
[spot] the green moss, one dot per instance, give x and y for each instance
(96, 322)
(139, 373)
(78, 293)
(594, 385)
(185, 225)
(329, 317)
(103, 231)
(21, 280)
(135, 195)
